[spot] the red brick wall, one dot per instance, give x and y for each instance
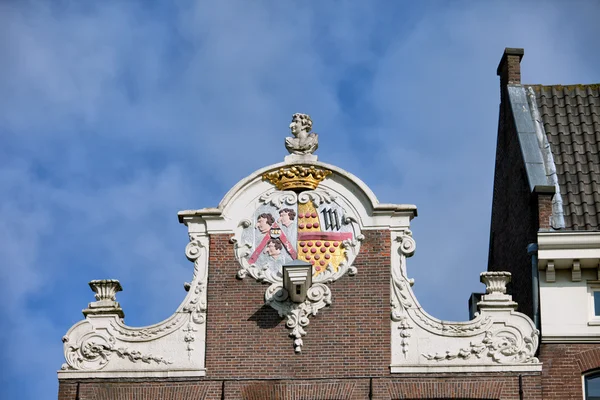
(68, 390)
(248, 339)
(564, 365)
(544, 210)
(464, 386)
(158, 389)
(342, 389)
(509, 69)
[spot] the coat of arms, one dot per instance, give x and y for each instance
(311, 226)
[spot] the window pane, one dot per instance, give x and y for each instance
(597, 303)
(592, 384)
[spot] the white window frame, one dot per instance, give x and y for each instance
(593, 319)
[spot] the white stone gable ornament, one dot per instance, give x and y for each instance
(312, 226)
(498, 339)
(297, 221)
(102, 346)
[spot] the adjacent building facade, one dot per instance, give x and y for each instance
(546, 221)
(300, 288)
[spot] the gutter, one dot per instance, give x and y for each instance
(532, 251)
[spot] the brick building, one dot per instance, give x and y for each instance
(300, 290)
(546, 221)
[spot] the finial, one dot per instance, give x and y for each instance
(106, 302)
(495, 292)
(304, 142)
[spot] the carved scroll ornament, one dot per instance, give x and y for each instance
(102, 342)
(498, 337)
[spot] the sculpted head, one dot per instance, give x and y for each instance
(286, 216)
(264, 222)
(300, 123)
(273, 247)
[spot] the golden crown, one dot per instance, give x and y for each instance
(297, 177)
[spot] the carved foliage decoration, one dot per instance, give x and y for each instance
(505, 346)
(313, 226)
(94, 350)
(318, 296)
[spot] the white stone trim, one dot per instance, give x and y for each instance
(421, 369)
(571, 339)
(566, 247)
(593, 319)
(183, 373)
(372, 214)
(569, 264)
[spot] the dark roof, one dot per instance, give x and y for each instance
(571, 117)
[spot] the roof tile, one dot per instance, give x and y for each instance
(571, 118)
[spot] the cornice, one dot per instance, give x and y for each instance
(571, 339)
(579, 240)
(349, 179)
(568, 249)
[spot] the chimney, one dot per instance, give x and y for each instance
(509, 69)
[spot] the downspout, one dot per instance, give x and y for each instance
(520, 387)
(532, 250)
(557, 221)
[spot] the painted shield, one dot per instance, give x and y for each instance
(312, 231)
(321, 236)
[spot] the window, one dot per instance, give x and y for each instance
(592, 387)
(594, 304)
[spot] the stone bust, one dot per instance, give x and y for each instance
(303, 142)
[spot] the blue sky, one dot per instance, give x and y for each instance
(115, 115)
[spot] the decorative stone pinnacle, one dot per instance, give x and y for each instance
(297, 177)
(495, 282)
(106, 289)
(304, 141)
(106, 292)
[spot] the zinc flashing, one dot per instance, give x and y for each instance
(528, 141)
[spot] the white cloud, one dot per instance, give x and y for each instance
(115, 116)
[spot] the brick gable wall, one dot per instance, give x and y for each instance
(514, 213)
(248, 339)
(346, 353)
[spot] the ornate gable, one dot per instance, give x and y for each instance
(296, 229)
